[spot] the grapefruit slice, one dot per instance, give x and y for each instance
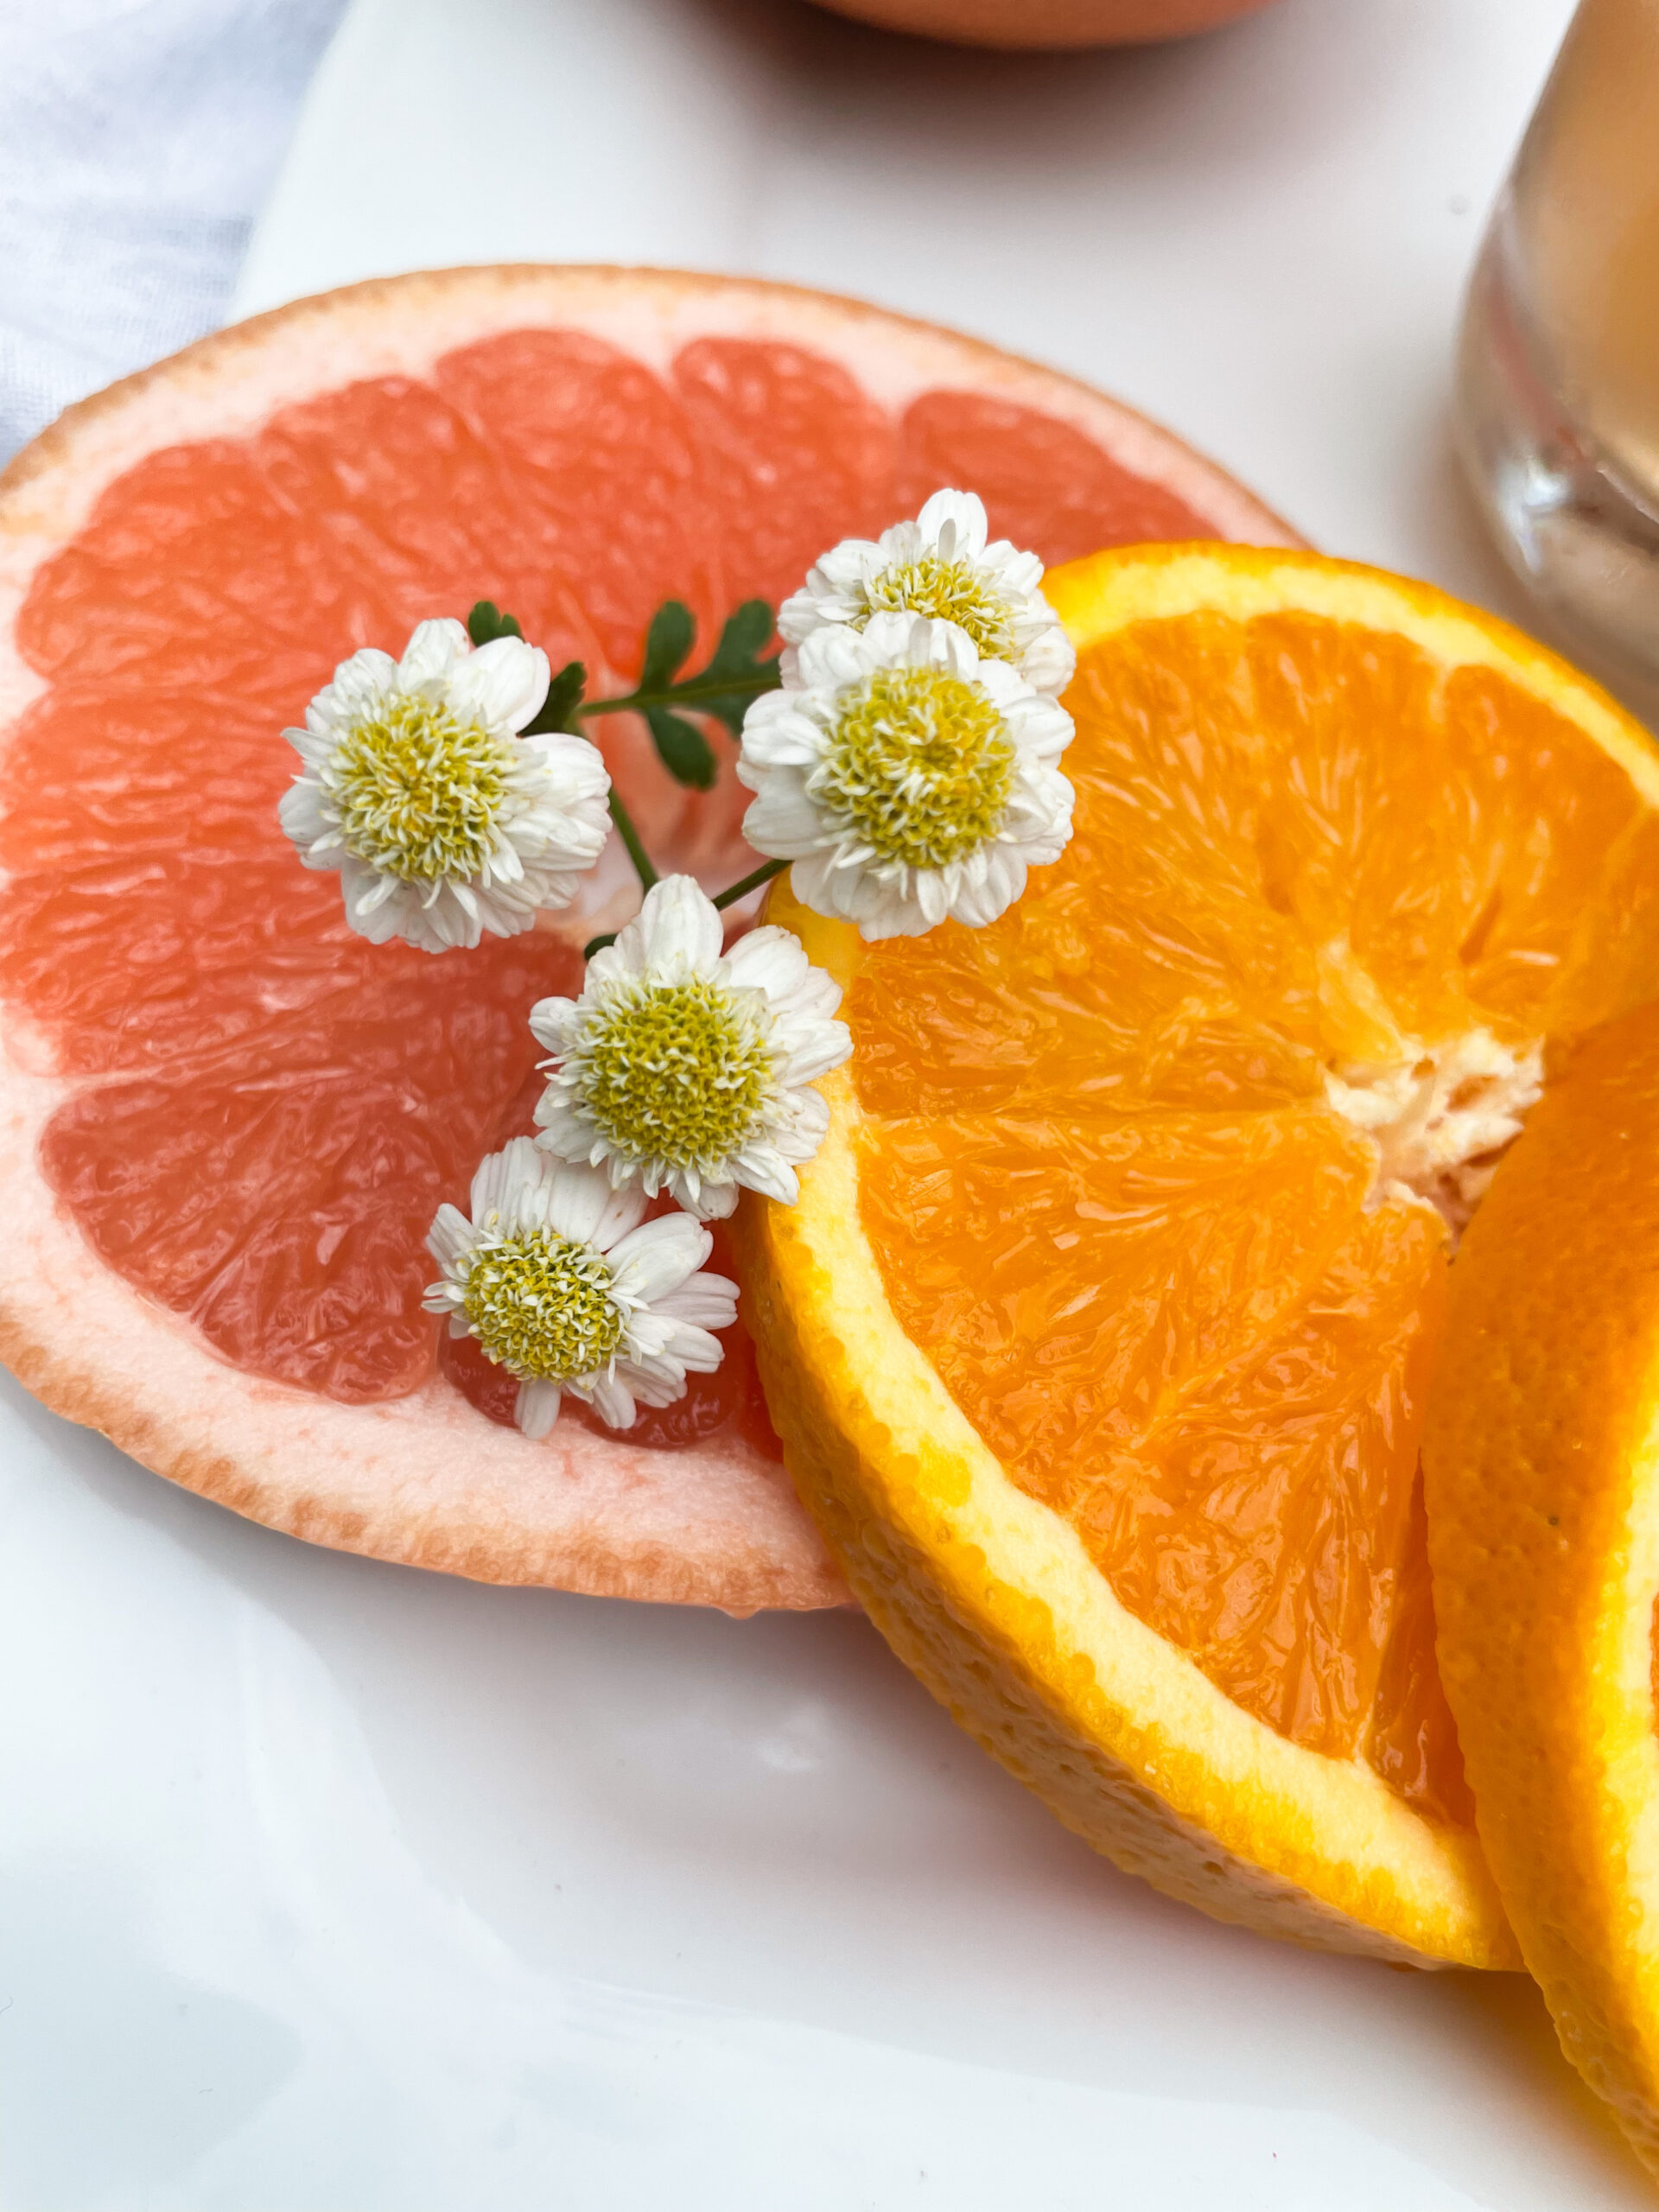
(225, 1122)
(1101, 1337)
(1542, 1478)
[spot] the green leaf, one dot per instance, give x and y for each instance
(736, 657)
(563, 697)
(486, 621)
(682, 749)
(668, 641)
(734, 676)
(746, 630)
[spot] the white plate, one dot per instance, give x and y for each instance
(331, 1887)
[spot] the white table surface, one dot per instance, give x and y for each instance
(330, 1887)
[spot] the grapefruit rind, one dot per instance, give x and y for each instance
(1542, 1477)
(989, 1596)
(423, 1480)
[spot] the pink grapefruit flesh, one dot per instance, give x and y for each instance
(227, 1121)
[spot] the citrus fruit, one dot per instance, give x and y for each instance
(1100, 1339)
(1033, 24)
(1543, 1486)
(225, 1122)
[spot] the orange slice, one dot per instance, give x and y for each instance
(1101, 1338)
(226, 1122)
(1541, 1463)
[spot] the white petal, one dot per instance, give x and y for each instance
(612, 1400)
(833, 657)
(819, 1048)
(932, 895)
(502, 685)
(678, 930)
(659, 1256)
(768, 959)
(553, 1023)
(1050, 661)
(373, 910)
(1040, 727)
(563, 1130)
(574, 767)
(697, 1349)
(450, 1239)
(583, 1204)
(783, 736)
(766, 1171)
(814, 998)
(954, 522)
(784, 822)
(536, 1408)
(709, 1301)
(433, 651)
(300, 812)
(507, 1194)
(706, 1197)
(893, 637)
(359, 685)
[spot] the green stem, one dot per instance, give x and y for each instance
(741, 889)
(728, 896)
(630, 838)
(689, 694)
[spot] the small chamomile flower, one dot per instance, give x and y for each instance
(563, 1283)
(940, 566)
(908, 778)
(443, 821)
(685, 1067)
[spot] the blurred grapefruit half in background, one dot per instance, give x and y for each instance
(1032, 25)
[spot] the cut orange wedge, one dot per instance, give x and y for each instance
(1101, 1339)
(1542, 1471)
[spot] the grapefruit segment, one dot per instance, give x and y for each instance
(228, 1121)
(1102, 1341)
(1043, 481)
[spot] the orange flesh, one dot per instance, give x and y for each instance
(269, 1110)
(1109, 1198)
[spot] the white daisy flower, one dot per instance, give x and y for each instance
(442, 820)
(938, 565)
(564, 1285)
(908, 780)
(685, 1067)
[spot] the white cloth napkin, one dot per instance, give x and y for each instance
(139, 139)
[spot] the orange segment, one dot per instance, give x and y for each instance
(1157, 1176)
(1185, 1337)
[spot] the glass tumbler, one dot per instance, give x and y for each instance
(1557, 380)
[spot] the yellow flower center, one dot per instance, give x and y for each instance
(920, 766)
(420, 793)
(949, 591)
(541, 1306)
(672, 1072)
